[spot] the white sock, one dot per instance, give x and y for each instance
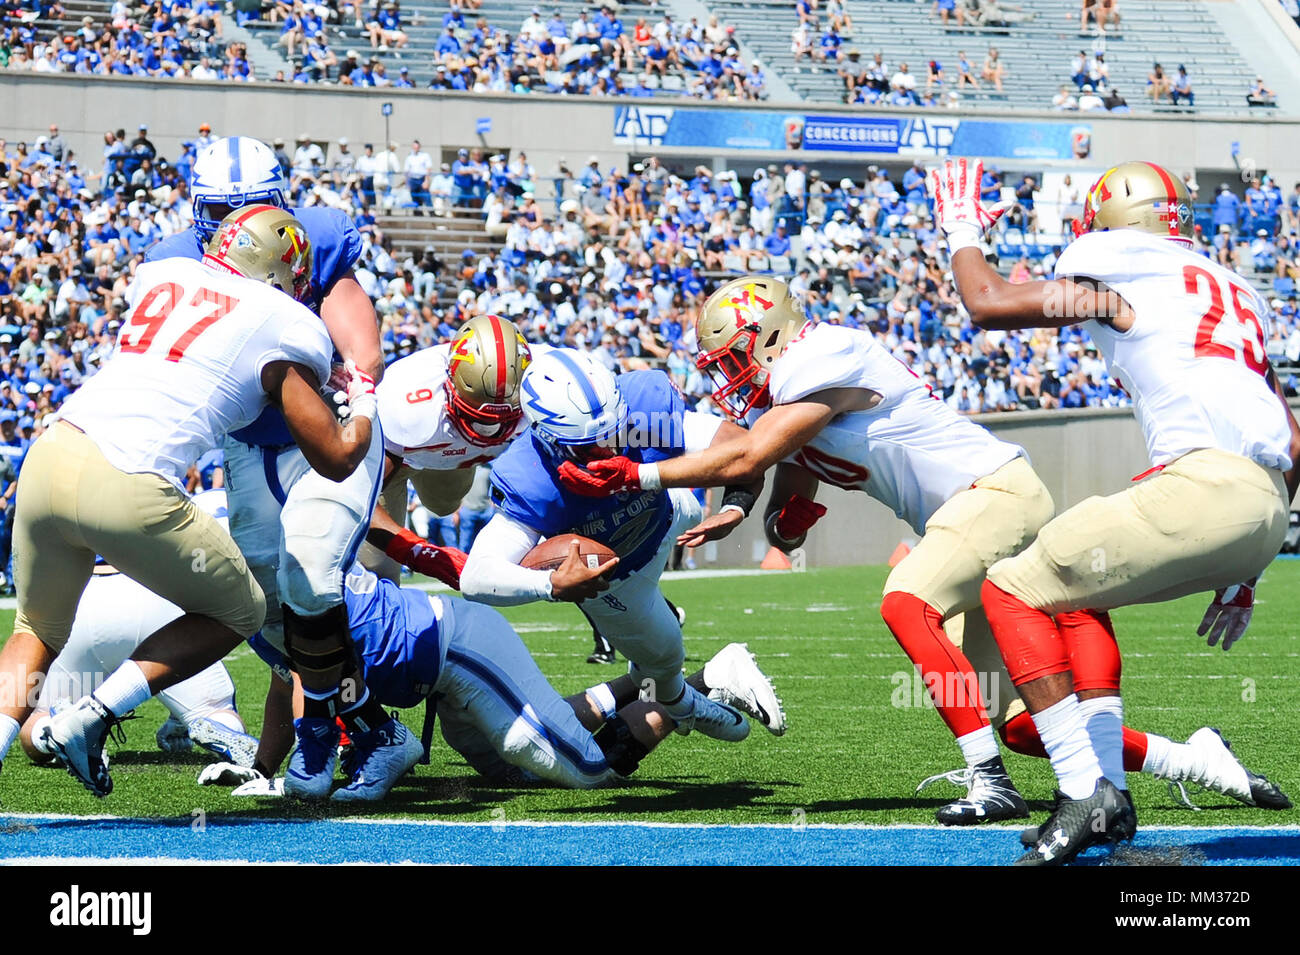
(1161, 754)
(124, 690)
(978, 745)
(603, 697)
(1104, 717)
(8, 733)
(1065, 737)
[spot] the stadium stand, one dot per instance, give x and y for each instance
(1036, 52)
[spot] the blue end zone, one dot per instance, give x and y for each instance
(340, 841)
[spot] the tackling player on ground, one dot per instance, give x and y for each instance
(1187, 339)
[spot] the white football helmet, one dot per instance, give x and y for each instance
(232, 173)
(573, 404)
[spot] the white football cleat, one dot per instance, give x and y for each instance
(230, 744)
(733, 678)
(695, 711)
(76, 738)
(1214, 766)
(173, 736)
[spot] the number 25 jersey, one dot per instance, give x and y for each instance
(1194, 360)
(188, 365)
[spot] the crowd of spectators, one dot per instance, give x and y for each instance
(610, 260)
(595, 53)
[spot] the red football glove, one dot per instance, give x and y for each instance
(602, 478)
(1229, 612)
(797, 517)
(440, 563)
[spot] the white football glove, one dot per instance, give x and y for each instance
(227, 774)
(958, 210)
(1229, 613)
(173, 736)
(261, 786)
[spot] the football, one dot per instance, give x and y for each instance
(551, 552)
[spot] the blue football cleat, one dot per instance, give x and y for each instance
(383, 756)
(311, 767)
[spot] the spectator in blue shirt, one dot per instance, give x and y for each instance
(1227, 208)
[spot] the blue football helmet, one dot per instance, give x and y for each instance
(231, 173)
(573, 404)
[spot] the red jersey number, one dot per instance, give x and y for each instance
(156, 307)
(1249, 327)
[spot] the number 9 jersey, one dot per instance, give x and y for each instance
(188, 365)
(1194, 360)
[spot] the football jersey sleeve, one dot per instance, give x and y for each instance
(825, 357)
(524, 490)
(182, 245)
(335, 245)
(1103, 256)
(304, 342)
(655, 412)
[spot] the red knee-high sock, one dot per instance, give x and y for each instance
(948, 675)
(1030, 643)
(1021, 736)
(1094, 655)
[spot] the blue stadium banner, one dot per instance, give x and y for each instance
(641, 126)
(483, 125)
(939, 134)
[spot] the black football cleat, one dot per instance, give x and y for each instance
(991, 796)
(1104, 818)
(603, 652)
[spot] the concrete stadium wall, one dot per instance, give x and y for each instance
(549, 127)
(1077, 454)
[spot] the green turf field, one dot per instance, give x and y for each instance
(851, 754)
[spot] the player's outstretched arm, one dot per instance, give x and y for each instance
(737, 500)
(411, 550)
(777, 434)
(333, 450)
(349, 316)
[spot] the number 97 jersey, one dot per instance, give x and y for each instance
(188, 365)
(1194, 360)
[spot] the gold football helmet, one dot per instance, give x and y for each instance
(1142, 196)
(263, 243)
(742, 330)
(487, 362)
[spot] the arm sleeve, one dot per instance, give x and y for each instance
(699, 430)
(492, 574)
(304, 342)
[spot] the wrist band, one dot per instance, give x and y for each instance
(964, 235)
(647, 475)
(739, 498)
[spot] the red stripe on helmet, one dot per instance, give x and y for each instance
(1172, 192)
(499, 335)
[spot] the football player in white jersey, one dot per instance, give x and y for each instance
(446, 409)
(831, 404)
(206, 347)
(113, 618)
(1187, 339)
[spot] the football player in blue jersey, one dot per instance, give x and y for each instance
(578, 412)
(298, 530)
(495, 706)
